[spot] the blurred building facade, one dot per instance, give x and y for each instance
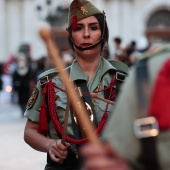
(130, 19)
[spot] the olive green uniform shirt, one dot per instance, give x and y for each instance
(101, 77)
(120, 131)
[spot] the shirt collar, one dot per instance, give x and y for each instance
(77, 73)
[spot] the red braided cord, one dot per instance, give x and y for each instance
(110, 85)
(43, 125)
(59, 88)
(107, 105)
(54, 118)
(44, 93)
(57, 125)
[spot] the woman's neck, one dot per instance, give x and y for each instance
(89, 66)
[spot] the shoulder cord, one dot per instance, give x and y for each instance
(52, 110)
(96, 91)
(43, 125)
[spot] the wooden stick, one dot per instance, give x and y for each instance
(94, 95)
(76, 102)
(63, 139)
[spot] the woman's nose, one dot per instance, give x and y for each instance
(86, 33)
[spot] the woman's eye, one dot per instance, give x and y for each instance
(94, 28)
(79, 28)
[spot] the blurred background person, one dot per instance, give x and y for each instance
(40, 67)
(22, 80)
(117, 45)
(120, 56)
(133, 58)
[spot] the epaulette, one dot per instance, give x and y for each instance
(47, 75)
(120, 66)
(122, 70)
(156, 51)
(48, 72)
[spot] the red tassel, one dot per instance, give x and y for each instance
(74, 22)
(43, 126)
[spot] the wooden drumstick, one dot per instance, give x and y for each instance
(94, 95)
(75, 100)
(63, 139)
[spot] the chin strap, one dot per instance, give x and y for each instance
(89, 47)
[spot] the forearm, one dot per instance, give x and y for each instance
(36, 140)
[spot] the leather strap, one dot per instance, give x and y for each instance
(87, 99)
(148, 156)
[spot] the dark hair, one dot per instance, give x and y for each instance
(117, 40)
(133, 43)
(103, 27)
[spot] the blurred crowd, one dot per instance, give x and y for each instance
(23, 70)
(128, 54)
(19, 74)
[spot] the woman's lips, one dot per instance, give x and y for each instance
(86, 44)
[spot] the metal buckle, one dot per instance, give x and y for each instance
(146, 127)
(120, 76)
(89, 110)
(43, 80)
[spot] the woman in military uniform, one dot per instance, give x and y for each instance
(46, 108)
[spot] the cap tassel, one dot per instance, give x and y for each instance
(74, 22)
(74, 18)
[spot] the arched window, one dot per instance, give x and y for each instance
(158, 26)
(160, 19)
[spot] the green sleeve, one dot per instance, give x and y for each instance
(32, 112)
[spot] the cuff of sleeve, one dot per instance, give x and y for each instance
(32, 115)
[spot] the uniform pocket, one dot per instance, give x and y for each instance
(102, 106)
